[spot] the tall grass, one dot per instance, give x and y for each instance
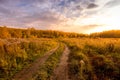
(89, 59)
(17, 53)
(101, 58)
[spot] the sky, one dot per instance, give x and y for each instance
(81, 16)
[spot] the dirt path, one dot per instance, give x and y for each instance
(61, 72)
(27, 73)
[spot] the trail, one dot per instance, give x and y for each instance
(27, 73)
(61, 72)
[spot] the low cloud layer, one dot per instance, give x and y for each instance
(67, 15)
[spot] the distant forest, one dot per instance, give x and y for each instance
(6, 32)
(107, 34)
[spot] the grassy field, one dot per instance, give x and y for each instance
(89, 59)
(94, 59)
(15, 54)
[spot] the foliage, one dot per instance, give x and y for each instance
(32, 33)
(98, 51)
(101, 58)
(107, 34)
(17, 53)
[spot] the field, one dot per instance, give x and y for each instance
(17, 53)
(94, 59)
(88, 59)
(59, 40)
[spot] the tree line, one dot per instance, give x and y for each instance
(106, 34)
(6, 32)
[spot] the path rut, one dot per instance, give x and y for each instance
(61, 72)
(27, 73)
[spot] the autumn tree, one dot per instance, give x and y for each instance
(4, 32)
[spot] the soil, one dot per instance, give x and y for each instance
(61, 72)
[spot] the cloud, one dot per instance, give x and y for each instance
(54, 14)
(2, 1)
(92, 5)
(87, 27)
(113, 3)
(76, 28)
(3, 10)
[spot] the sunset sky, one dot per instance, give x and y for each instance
(82, 16)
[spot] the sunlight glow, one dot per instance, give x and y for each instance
(107, 21)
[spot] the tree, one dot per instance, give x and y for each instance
(4, 32)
